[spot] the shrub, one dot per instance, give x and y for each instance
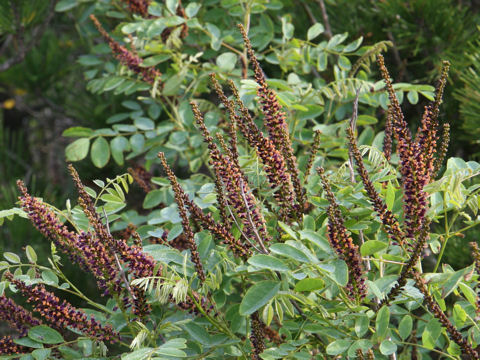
(270, 260)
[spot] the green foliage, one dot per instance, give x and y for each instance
(163, 121)
(292, 299)
(468, 94)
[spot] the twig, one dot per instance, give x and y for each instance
(240, 229)
(353, 126)
(252, 224)
(302, 314)
(122, 272)
(328, 31)
(309, 13)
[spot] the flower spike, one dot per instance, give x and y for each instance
(187, 230)
(62, 314)
(239, 196)
(126, 57)
(342, 243)
(272, 159)
(275, 121)
(16, 316)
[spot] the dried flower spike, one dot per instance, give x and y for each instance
(128, 58)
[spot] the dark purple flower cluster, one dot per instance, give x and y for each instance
(16, 316)
(84, 249)
(239, 196)
(127, 57)
(386, 216)
(442, 150)
(61, 314)
(257, 337)
(140, 264)
(8, 346)
(206, 221)
(273, 161)
(417, 162)
(140, 307)
(138, 6)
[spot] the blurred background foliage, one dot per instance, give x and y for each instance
(58, 76)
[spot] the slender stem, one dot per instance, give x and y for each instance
(384, 261)
(240, 229)
(353, 127)
(427, 348)
(211, 320)
(448, 225)
(122, 272)
(79, 293)
(326, 23)
(252, 224)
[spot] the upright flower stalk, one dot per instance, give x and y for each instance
(342, 243)
(187, 230)
(239, 195)
(275, 121)
(274, 164)
(409, 268)
(435, 309)
(313, 153)
(257, 336)
(140, 264)
(417, 161)
(386, 216)
(442, 149)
